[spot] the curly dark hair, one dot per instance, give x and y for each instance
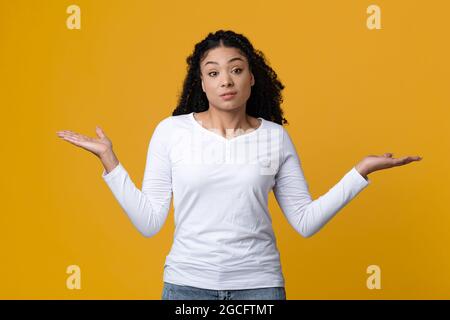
(265, 97)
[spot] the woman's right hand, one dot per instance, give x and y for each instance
(99, 146)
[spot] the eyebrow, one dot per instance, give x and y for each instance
(231, 60)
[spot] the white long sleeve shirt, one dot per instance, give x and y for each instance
(223, 237)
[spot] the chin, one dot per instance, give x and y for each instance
(233, 108)
(231, 105)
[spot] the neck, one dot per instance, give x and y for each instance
(228, 121)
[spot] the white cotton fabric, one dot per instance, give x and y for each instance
(223, 237)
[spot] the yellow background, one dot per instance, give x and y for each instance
(350, 92)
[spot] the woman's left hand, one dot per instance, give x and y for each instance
(373, 163)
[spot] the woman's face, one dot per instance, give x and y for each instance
(224, 70)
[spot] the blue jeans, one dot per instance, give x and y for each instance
(177, 292)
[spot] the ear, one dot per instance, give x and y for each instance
(252, 80)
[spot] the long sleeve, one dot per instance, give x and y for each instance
(147, 209)
(291, 190)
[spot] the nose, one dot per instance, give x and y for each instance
(227, 81)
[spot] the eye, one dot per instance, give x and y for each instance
(211, 72)
(238, 69)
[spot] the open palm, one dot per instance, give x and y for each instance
(387, 161)
(97, 146)
(373, 163)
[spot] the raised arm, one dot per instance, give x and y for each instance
(291, 190)
(305, 215)
(147, 208)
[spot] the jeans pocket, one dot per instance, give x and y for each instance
(283, 293)
(166, 293)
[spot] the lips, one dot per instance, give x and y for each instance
(230, 93)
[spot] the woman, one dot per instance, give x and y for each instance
(220, 153)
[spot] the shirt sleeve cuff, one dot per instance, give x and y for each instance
(114, 172)
(358, 177)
